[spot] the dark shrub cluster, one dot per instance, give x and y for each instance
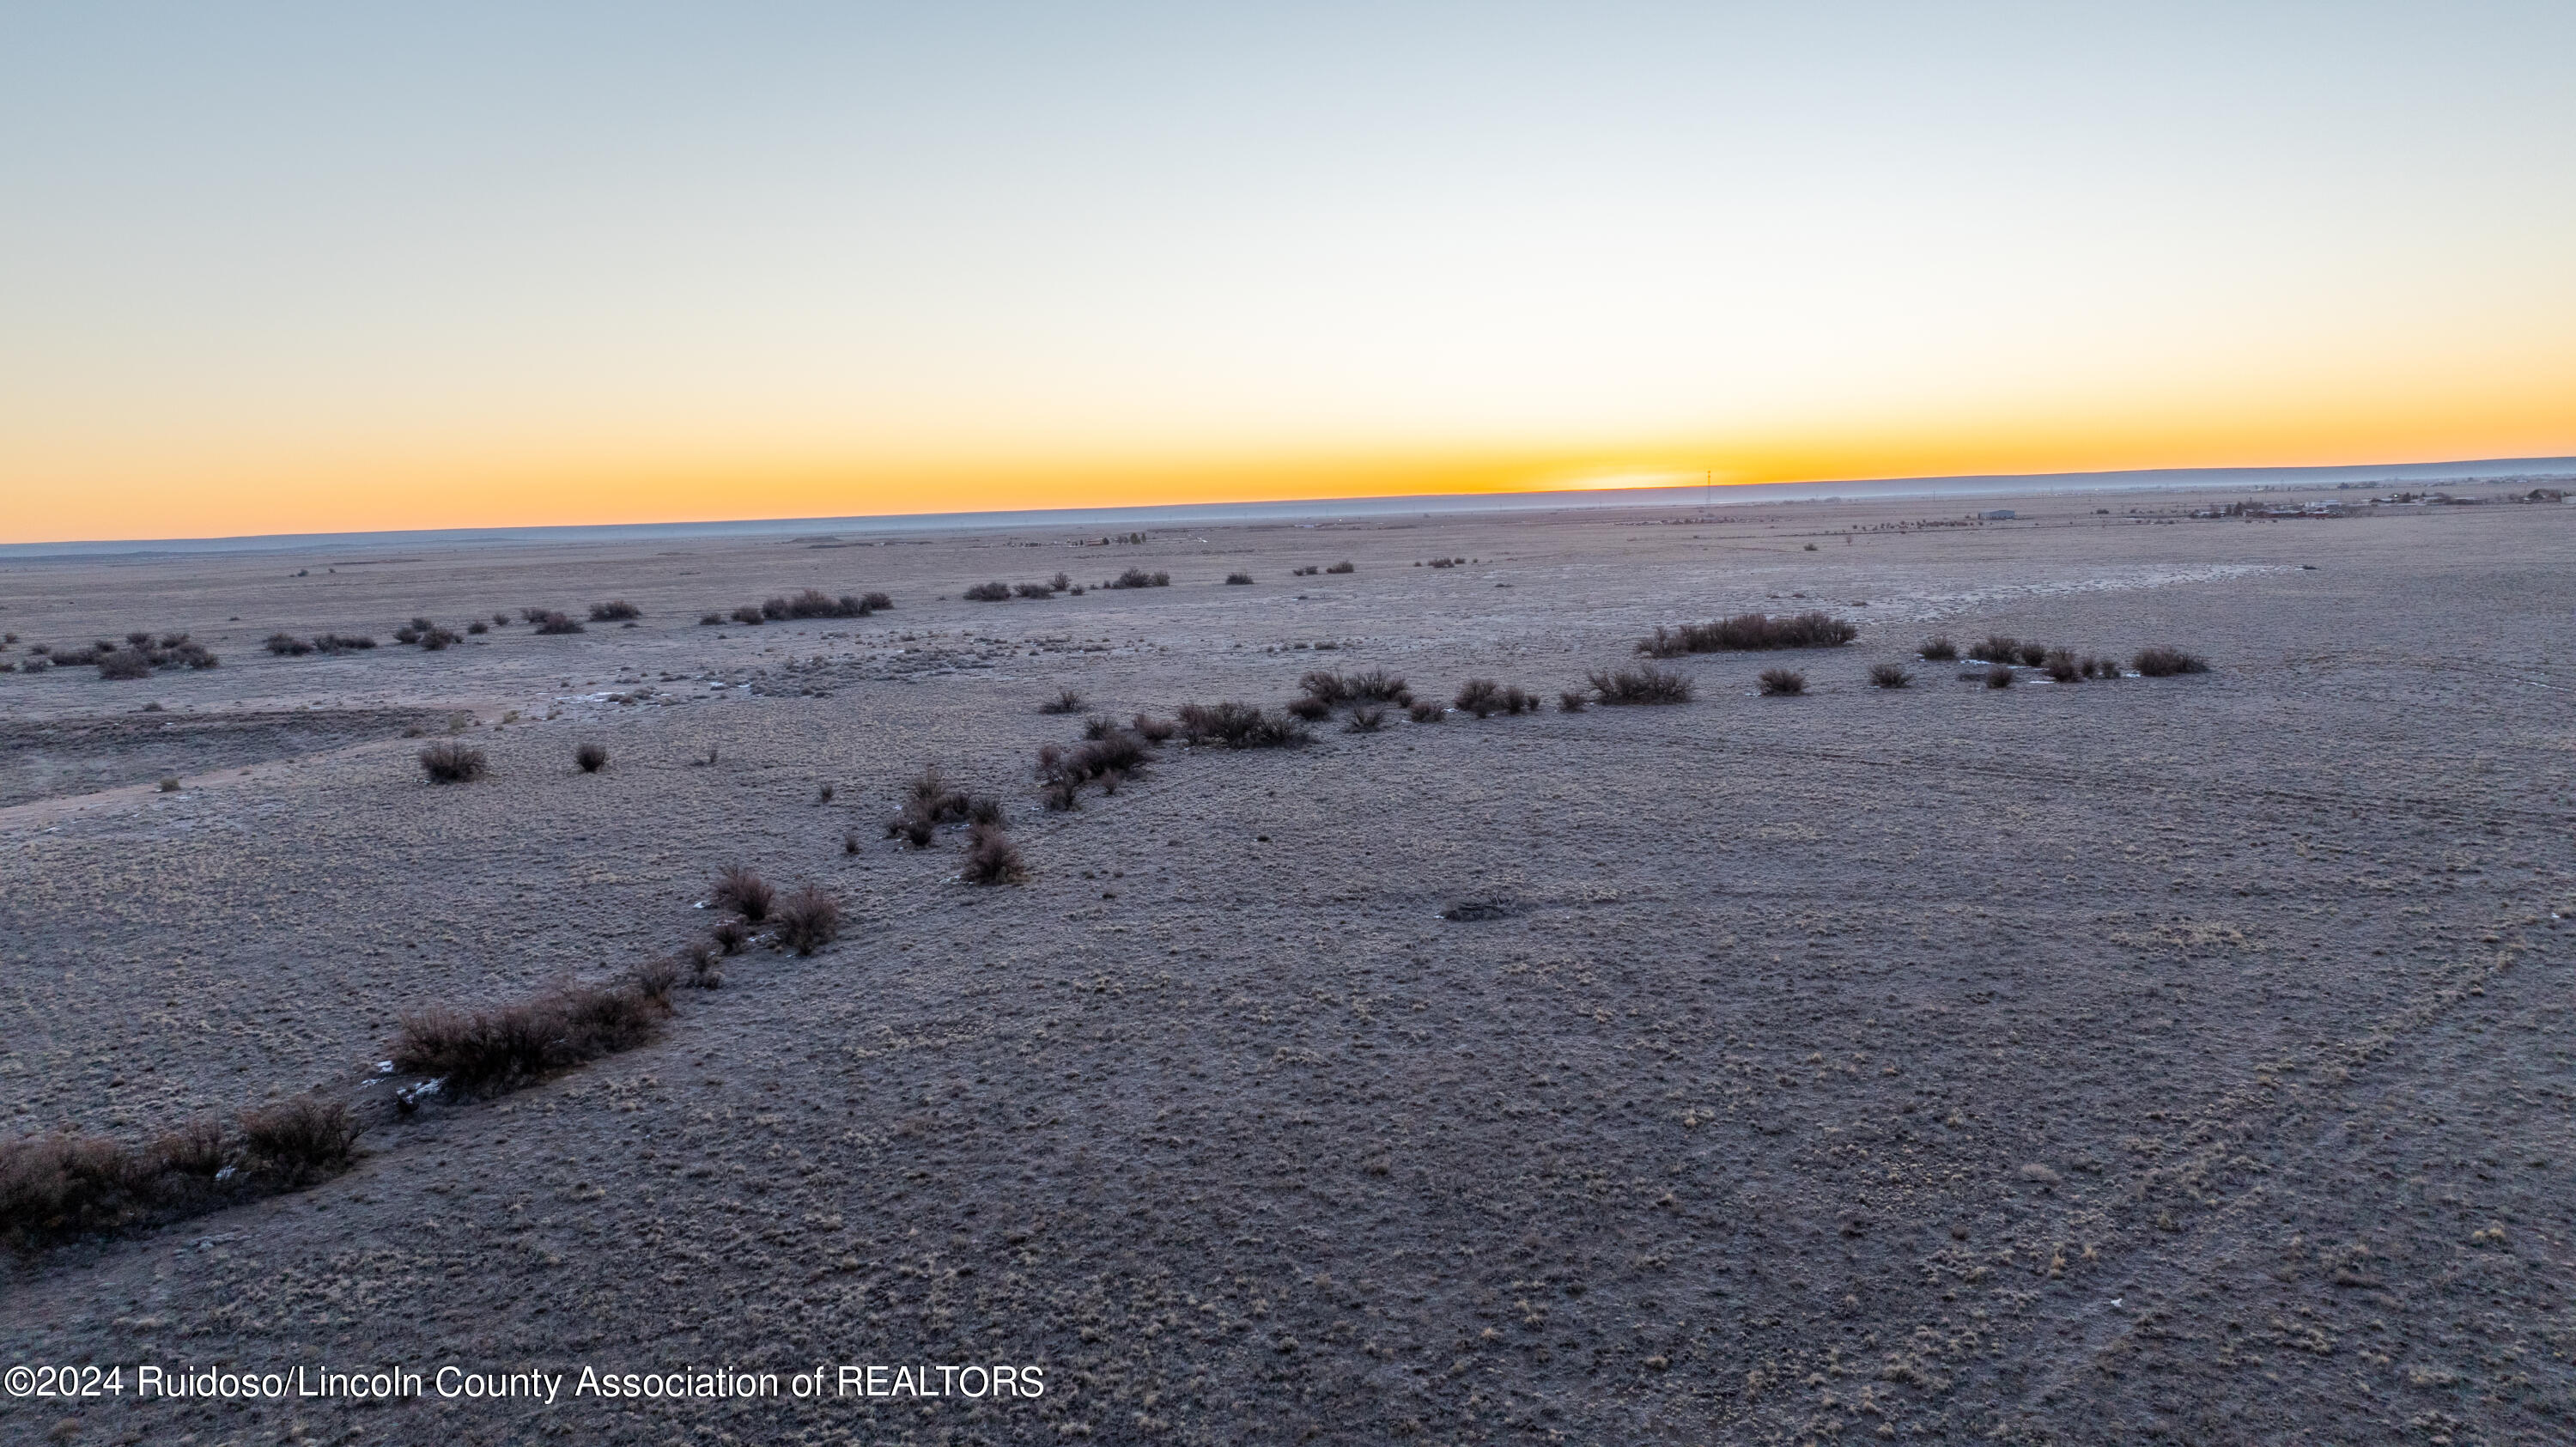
(1033, 590)
(61, 1185)
(450, 762)
(2163, 662)
(1374, 685)
(1238, 579)
(1239, 726)
(1139, 578)
(1572, 700)
(557, 623)
(1443, 563)
(1748, 631)
(1108, 757)
(1641, 685)
(1783, 682)
(1065, 702)
(1344, 566)
(591, 757)
(1999, 675)
(1889, 675)
(1938, 649)
(614, 611)
(807, 920)
(489, 1051)
(742, 892)
(989, 593)
(749, 616)
(141, 654)
(1484, 698)
(1427, 712)
(1310, 708)
(930, 801)
(815, 603)
(1367, 718)
(991, 857)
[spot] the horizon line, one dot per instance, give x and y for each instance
(1265, 509)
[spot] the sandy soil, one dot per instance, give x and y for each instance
(2182, 1058)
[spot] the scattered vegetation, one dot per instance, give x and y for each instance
(1443, 563)
(1890, 675)
(1783, 682)
(807, 920)
(1484, 698)
(61, 1186)
(2162, 662)
(1747, 631)
(490, 1051)
(744, 893)
(1033, 590)
(1139, 578)
(557, 623)
(1344, 566)
(1065, 702)
(1109, 759)
(1368, 718)
(1153, 730)
(1310, 708)
(1938, 649)
(1573, 700)
(591, 757)
(2061, 665)
(989, 593)
(991, 857)
(1375, 685)
(450, 762)
(1427, 713)
(1240, 726)
(815, 603)
(1641, 685)
(1998, 648)
(748, 616)
(615, 611)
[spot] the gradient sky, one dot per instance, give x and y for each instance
(293, 269)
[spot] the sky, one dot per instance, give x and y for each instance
(273, 268)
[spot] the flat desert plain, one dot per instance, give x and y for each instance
(2181, 1058)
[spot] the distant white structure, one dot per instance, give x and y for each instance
(1996, 514)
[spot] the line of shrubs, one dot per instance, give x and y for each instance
(809, 603)
(63, 1185)
(1999, 651)
(136, 657)
(1750, 631)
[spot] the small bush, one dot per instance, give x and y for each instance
(1484, 698)
(743, 892)
(1139, 578)
(1641, 686)
(1998, 648)
(2034, 655)
(879, 602)
(815, 603)
(2061, 665)
(1152, 730)
(749, 616)
(1310, 708)
(124, 665)
(534, 615)
(729, 936)
(1033, 590)
(1938, 649)
(1343, 566)
(2166, 662)
(591, 757)
(1748, 631)
(711, 620)
(1065, 702)
(1238, 579)
(438, 638)
(286, 645)
(1426, 713)
(1783, 682)
(478, 626)
(500, 620)
(808, 920)
(557, 623)
(342, 642)
(1572, 700)
(991, 857)
(2100, 667)
(1889, 675)
(615, 611)
(1368, 718)
(299, 1140)
(1305, 572)
(989, 593)
(1240, 726)
(483, 1052)
(1999, 675)
(449, 762)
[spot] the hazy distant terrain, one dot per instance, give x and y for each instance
(2182, 1058)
